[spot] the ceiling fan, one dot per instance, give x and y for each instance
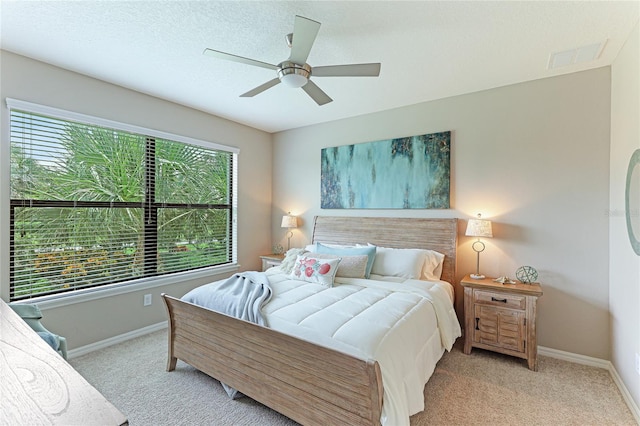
(295, 72)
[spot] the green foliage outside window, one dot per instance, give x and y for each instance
(92, 206)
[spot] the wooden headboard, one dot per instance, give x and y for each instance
(434, 234)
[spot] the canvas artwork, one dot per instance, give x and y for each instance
(404, 173)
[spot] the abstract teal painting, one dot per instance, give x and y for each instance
(404, 173)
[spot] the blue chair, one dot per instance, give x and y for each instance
(32, 315)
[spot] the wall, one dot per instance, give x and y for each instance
(624, 277)
(32, 81)
(532, 157)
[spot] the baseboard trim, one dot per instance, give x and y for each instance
(83, 350)
(635, 410)
(576, 358)
(599, 363)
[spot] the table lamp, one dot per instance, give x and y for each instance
(289, 222)
(478, 228)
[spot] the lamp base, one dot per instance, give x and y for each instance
(477, 276)
(289, 235)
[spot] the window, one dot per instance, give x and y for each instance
(98, 204)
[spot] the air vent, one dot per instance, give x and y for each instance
(576, 56)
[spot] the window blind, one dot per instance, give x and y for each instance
(93, 206)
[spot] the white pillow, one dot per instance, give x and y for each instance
(405, 263)
(432, 268)
(350, 266)
(315, 270)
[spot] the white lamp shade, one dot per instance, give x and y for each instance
(479, 228)
(289, 221)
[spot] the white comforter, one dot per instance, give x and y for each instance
(405, 326)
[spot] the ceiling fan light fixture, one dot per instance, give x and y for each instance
(294, 80)
(295, 72)
(294, 75)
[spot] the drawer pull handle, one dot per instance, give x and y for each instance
(477, 321)
(493, 299)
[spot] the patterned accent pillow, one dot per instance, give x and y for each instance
(314, 270)
(350, 266)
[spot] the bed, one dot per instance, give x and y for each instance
(319, 376)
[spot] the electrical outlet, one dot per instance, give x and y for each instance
(147, 300)
(638, 363)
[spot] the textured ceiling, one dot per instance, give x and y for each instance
(428, 50)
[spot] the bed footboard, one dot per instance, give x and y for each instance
(308, 383)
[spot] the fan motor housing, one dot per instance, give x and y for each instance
(292, 74)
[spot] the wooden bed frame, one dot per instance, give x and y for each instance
(308, 383)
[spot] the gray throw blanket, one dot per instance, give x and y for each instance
(241, 296)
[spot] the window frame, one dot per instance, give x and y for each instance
(147, 282)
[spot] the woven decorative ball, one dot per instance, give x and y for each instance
(277, 249)
(526, 274)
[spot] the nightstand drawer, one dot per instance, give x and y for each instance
(511, 301)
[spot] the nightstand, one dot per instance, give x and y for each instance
(501, 318)
(270, 260)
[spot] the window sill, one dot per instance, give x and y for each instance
(81, 296)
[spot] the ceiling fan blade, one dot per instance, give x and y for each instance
(269, 84)
(353, 70)
(304, 34)
(235, 58)
(316, 93)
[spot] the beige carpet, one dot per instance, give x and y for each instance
(481, 389)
